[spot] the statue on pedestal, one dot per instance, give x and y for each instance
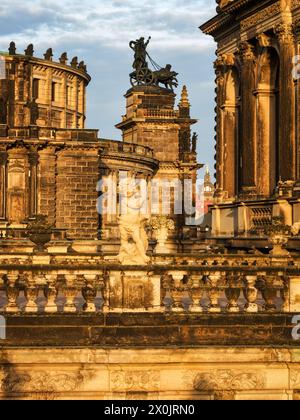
(134, 241)
(143, 75)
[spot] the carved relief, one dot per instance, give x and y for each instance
(223, 379)
(260, 16)
(295, 379)
(125, 381)
(12, 381)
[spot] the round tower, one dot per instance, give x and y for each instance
(42, 92)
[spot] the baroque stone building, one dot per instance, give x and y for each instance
(209, 315)
(257, 140)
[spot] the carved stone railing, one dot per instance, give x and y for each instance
(161, 113)
(113, 290)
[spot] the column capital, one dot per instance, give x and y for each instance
(33, 158)
(284, 33)
(246, 51)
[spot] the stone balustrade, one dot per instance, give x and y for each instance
(161, 113)
(111, 290)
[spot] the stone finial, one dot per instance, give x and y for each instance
(184, 101)
(48, 54)
(29, 50)
(63, 58)
(82, 66)
(12, 48)
(74, 62)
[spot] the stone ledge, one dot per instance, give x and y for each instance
(146, 330)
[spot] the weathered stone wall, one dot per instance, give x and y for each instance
(76, 197)
(207, 373)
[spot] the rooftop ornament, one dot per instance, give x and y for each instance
(29, 50)
(12, 48)
(143, 75)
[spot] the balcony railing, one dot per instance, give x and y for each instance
(111, 290)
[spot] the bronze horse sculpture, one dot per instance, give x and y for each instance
(166, 77)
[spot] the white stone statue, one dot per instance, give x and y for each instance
(134, 241)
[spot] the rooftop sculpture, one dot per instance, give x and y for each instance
(143, 75)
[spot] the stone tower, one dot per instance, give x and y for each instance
(152, 120)
(42, 92)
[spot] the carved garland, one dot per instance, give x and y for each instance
(260, 16)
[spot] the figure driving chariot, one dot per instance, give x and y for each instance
(143, 75)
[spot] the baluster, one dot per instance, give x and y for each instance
(104, 288)
(285, 295)
(31, 295)
(214, 292)
(250, 293)
(12, 293)
(196, 294)
(269, 293)
(177, 293)
(50, 293)
(89, 293)
(232, 293)
(2, 288)
(70, 291)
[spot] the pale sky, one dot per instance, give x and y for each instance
(99, 31)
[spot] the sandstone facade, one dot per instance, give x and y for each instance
(210, 318)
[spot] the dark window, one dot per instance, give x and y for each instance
(53, 92)
(35, 88)
(68, 95)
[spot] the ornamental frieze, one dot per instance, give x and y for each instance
(260, 16)
(225, 379)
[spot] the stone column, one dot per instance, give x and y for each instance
(33, 159)
(219, 69)
(287, 149)
(266, 145)
(248, 187)
(230, 116)
(230, 127)
(296, 64)
(3, 183)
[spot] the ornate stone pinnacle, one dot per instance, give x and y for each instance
(184, 101)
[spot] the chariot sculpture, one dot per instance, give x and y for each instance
(143, 75)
